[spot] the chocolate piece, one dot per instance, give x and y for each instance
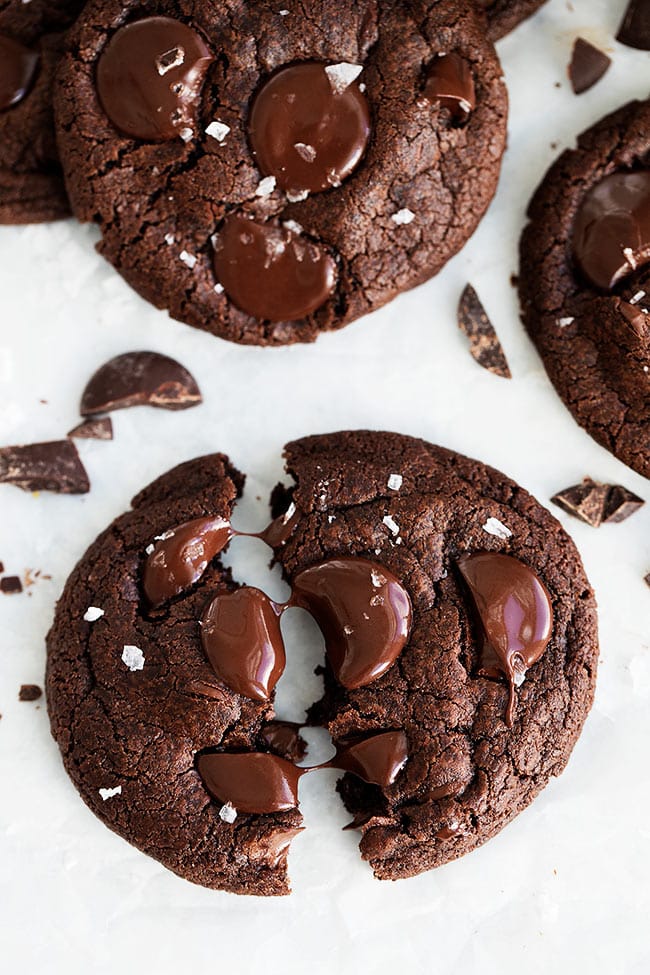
(484, 347)
(588, 65)
(281, 528)
(253, 782)
(647, 579)
(241, 637)
(2, 566)
(98, 428)
(53, 466)
(635, 29)
(271, 272)
(30, 692)
(363, 611)
(377, 759)
(450, 83)
(611, 234)
(181, 556)
(140, 379)
(596, 503)
(515, 612)
(283, 738)
(150, 76)
(11, 585)
(307, 128)
(18, 68)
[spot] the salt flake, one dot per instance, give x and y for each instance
(563, 322)
(266, 186)
(403, 217)
(133, 657)
(391, 524)
(342, 75)
(109, 793)
(218, 130)
(395, 482)
(93, 613)
(188, 259)
(306, 152)
(228, 813)
(495, 527)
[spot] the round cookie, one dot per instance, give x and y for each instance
(333, 229)
(31, 40)
(135, 704)
(505, 15)
(584, 281)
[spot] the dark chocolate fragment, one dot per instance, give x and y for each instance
(252, 782)
(281, 528)
(484, 347)
(11, 585)
(30, 692)
(647, 579)
(98, 428)
(17, 71)
(271, 272)
(53, 466)
(309, 126)
(588, 65)
(450, 83)
(150, 76)
(140, 379)
(181, 556)
(635, 29)
(596, 503)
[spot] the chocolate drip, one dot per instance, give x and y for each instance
(19, 66)
(450, 83)
(253, 782)
(283, 738)
(181, 556)
(377, 759)
(281, 529)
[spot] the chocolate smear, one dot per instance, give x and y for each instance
(53, 466)
(588, 65)
(97, 428)
(19, 66)
(484, 346)
(140, 379)
(598, 504)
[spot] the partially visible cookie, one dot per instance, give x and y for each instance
(31, 41)
(584, 281)
(505, 15)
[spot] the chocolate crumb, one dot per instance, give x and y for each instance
(54, 466)
(29, 692)
(588, 65)
(647, 579)
(635, 29)
(2, 566)
(97, 428)
(485, 347)
(11, 585)
(598, 504)
(140, 379)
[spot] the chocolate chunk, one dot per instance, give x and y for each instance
(647, 579)
(140, 379)
(587, 66)
(281, 528)
(99, 428)
(150, 76)
(284, 738)
(11, 585)
(450, 83)
(377, 759)
(241, 637)
(364, 613)
(484, 347)
(2, 567)
(596, 503)
(271, 272)
(30, 692)
(19, 66)
(635, 29)
(309, 128)
(515, 613)
(54, 466)
(252, 782)
(611, 234)
(181, 556)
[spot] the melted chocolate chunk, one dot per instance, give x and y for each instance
(308, 128)
(596, 503)
(99, 428)
(150, 76)
(30, 692)
(635, 29)
(363, 611)
(181, 556)
(281, 528)
(253, 782)
(484, 346)
(588, 65)
(17, 70)
(450, 83)
(54, 466)
(515, 613)
(377, 759)
(11, 585)
(283, 738)
(272, 272)
(611, 235)
(140, 379)
(241, 637)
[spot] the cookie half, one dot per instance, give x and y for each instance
(279, 176)
(135, 703)
(584, 281)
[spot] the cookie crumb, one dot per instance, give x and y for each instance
(30, 692)
(133, 657)
(93, 613)
(495, 527)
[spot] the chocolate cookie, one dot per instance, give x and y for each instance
(505, 15)
(584, 281)
(461, 652)
(279, 175)
(31, 41)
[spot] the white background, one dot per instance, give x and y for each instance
(566, 885)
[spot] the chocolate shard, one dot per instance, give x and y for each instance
(53, 466)
(11, 585)
(29, 692)
(97, 428)
(598, 504)
(588, 65)
(140, 379)
(484, 345)
(635, 29)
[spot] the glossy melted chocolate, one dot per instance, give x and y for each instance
(17, 71)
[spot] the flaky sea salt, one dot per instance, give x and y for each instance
(93, 613)
(348, 630)
(297, 196)
(395, 482)
(342, 75)
(228, 813)
(133, 657)
(637, 297)
(170, 60)
(186, 134)
(391, 524)
(169, 239)
(149, 549)
(188, 259)
(403, 217)
(218, 130)
(563, 322)
(219, 288)
(293, 226)
(495, 527)
(377, 578)
(306, 152)
(266, 186)
(109, 793)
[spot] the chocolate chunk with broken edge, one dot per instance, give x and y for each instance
(30, 692)
(596, 504)
(485, 347)
(140, 379)
(97, 428)
(635, 29)
(11, 585)
(53, 466)
(588, 65)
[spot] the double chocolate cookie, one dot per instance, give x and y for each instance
(504, 15)
(269, 174)
(585, 281)
(461, 652)
(31, 41)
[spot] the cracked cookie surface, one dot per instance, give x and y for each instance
(504, 15)
(417, 195)
(594, 344)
